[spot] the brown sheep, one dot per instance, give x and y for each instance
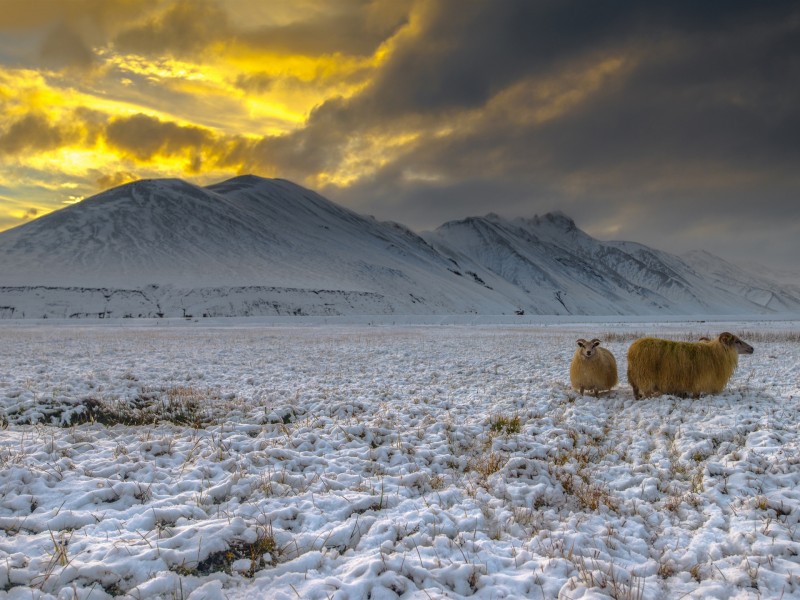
(657, 366)
(593, 368)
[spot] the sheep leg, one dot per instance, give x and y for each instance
(636, 395)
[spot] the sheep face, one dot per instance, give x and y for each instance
(588, 349)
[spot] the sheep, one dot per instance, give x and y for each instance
(592, 368)
(657, 366)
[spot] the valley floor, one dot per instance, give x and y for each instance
(264, 460)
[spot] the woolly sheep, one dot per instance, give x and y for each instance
(593, 368)
(657, 366)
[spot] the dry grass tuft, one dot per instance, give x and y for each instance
(487, 464)
(764, 337)
(261, 553)
(180, 405)
(503, 425)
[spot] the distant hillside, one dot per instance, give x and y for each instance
(254, 246)
(562, 269)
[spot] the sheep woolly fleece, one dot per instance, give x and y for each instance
(657, 366)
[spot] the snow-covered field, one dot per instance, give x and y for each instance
(356, 461)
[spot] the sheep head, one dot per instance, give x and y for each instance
(728, 339)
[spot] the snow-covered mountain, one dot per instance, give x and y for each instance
(563, 269)
(254, 246)
(242, 247)
(774, 289)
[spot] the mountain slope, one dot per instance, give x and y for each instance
(252, 246)
(142, 232)
(763, 290)
(558, 264)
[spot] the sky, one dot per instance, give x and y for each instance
(674, 124)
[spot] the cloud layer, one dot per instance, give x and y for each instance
(675, 124)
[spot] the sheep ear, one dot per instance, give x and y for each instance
(595, 343)
(581, 342)
(727, 338)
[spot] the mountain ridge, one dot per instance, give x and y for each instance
(253, 246)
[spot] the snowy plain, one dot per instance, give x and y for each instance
(236, 459)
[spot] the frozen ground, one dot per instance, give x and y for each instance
(350, 462)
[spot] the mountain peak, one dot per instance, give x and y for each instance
(250, 181)
(489, 218)
(555, 218)
(247, 180)
(155, 185)
(143, 191)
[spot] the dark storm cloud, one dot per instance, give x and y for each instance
(711, 96)
(34, 131)
(426, 205)
(64, 47)
(61, 34)
(185, 28)
(465, 52)
(145, 137)
(256, 82)
(90, 14)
